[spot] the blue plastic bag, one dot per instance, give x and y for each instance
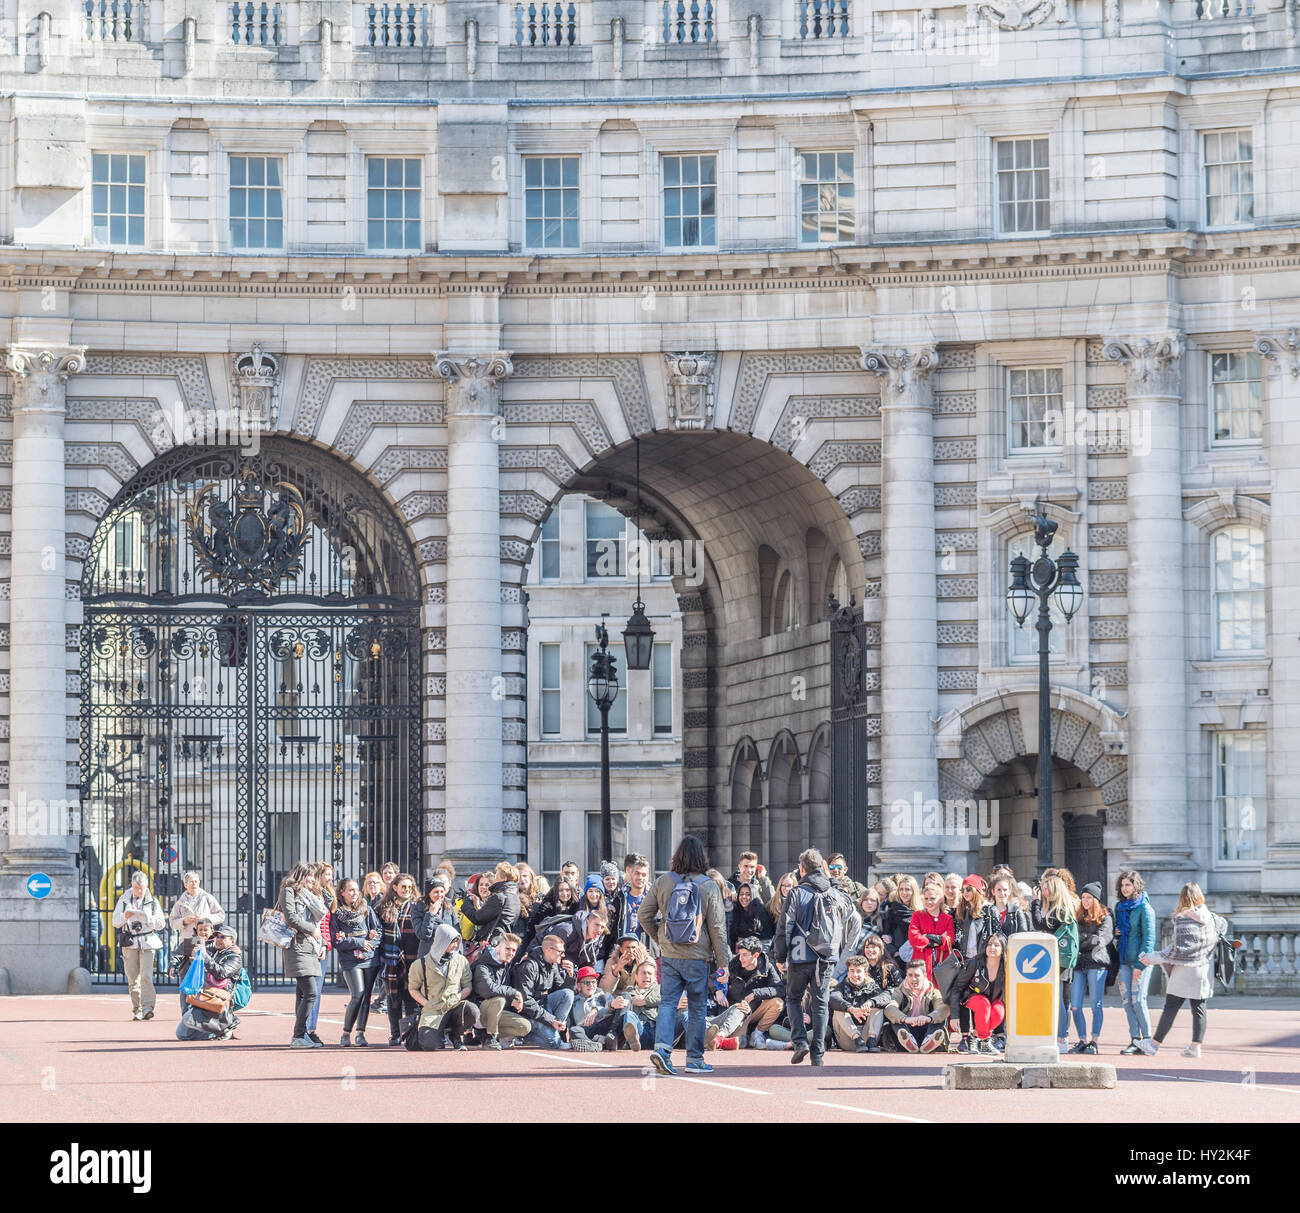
(192, 982)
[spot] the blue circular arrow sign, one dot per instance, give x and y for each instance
(39, 885)
(1033, 961)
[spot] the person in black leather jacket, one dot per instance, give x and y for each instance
(975, 920)
(222, 963)
(979, 993)
(499, 911)
(1008, 916)
(897, 917)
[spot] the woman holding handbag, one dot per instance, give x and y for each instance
(357, 935)
(302, 911)
(401, 945)
(323, 874)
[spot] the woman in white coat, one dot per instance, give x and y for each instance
(1188, 965)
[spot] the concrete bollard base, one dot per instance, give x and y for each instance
(1001, 1076)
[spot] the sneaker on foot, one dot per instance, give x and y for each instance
(907, 1040)
(710, 1035)
(1079, 1046)
(728, 1043)
(632, 1037)
(1148, 1046)
(1192, 1050)
(301, 1042)
(818, 1060)
(146, 1015)
(757, 1040)
(935, 1042)
(361, 1042)
(579, 1046)
(663, 1063)
(968, 1044)
(776, 1045)
(345, 1041)
(873, 1045)
(1090, 1048)
(800, 1052)
(461, 1047)
(394, 1040)
(987, 1049)
(316, 1040)
(862, 1047)
(699, 1066)
(609, 1043)
(493, 1044)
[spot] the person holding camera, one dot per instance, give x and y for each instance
(222, 963)
(187, 910)
(138, 918)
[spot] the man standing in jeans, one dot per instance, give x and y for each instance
(806, 969)
(685, 964)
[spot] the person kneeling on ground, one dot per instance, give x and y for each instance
(753, 1001)
(980, 992)
(917, 1014)
(500, 1003)
(547, 999)
(857, 1009)
(440, 982)
(222, 963)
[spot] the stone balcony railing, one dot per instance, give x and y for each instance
(555, 48)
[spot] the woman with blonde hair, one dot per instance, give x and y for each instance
(1187, 963)
(499, 911)
(1060, 914)
(401, 947)
(897, 918)
(780, 893)
(303, 910)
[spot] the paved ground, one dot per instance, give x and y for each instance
(77, 1059)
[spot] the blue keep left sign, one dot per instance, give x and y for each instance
(39, 885)
(1034, 962)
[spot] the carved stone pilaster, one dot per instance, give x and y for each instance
(472, 380)
(1284, 349)
(191, 28)
(1154, 364)
(471, 47)
(690, 389)
(39, 374)
(256, 381)
(904, 372)
(755, 30)
(616, 35)
(326, 47)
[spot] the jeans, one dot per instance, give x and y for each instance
(1133, 982)
(1174, 1004)
(315, 1007)
(645, 1028)
(558, 1005)
(817, 978)
(676, 976)
(360, 982)
(305, 998)
(1089, 983)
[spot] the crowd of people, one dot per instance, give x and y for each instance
(810, 961)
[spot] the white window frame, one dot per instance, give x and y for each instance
(596, 578)
(662, 210)
(289, 189)
(1216, 442)
(799, 185)
(549, 154)
(148, 156)
(1059, 637)
(657, 688)
(1031, 451)
(543, 690)
(1222, 654)
(590, 711)
(1203, 185)
(553, 518)
(1259, 740)
(364, 215)
(1014, 234)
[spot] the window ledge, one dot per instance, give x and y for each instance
(1259, 661)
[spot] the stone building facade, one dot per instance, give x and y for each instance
(868, 283)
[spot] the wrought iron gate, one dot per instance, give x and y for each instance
(279, 722)
(849, 738)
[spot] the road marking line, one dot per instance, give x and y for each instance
(576, 1061)
(1219, 1082)
(843, 1107)
(726, 1086)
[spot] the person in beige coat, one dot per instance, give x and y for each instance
(137, 919)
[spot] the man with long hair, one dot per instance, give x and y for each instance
(682, 911)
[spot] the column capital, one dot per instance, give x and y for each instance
(1282, 348)
(1154, 364)
(904, 372)
(40, 371)
(473, 379)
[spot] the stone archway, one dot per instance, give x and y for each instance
(984, 756)
(785, 837)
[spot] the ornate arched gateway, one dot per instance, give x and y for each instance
(251, 663)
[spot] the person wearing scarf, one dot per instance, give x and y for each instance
(440, 982)
(1135, 933)
(400, 947)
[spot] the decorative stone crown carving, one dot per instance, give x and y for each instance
(256, 382)
(690, 389)
(1016, 14)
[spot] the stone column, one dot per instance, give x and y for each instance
(1280, 871)
(909, 690)
(475, 681)
(39, 940)
(1159, 845)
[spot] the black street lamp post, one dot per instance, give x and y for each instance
(602, 685)
(1044, 580)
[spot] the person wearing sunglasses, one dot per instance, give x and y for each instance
(838, 869)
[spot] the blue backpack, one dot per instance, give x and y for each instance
(684, 913)
(243, 992)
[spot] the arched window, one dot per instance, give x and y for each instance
(1022, 645)
(1239, 590)
(837, 582)
(785, 613)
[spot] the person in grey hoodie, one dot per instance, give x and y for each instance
(440, 983)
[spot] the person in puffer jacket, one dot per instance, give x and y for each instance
(499, 912)
(858, 1009)
(548, 998)
(1187, 963)
(753, 999)
(222, 963)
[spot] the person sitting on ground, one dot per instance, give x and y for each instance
(548, 998)
(749, 871)
(500, 1003)
(932, 929)
(754, 998)
(750, 919)
(222, 964)
(1007, 915)
(880, 969)
(590, 1019)
(979, 993)
(636, 1009)
(583, 937)
(858, 1009)
(440, 983)
(203, 930)
(916, 1013)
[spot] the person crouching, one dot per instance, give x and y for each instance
(917, 1013)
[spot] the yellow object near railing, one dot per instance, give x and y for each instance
(108, 895)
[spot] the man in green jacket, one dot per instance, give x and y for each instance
(440, 982)
(684, 965)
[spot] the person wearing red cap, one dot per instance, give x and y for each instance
(590, 1019)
